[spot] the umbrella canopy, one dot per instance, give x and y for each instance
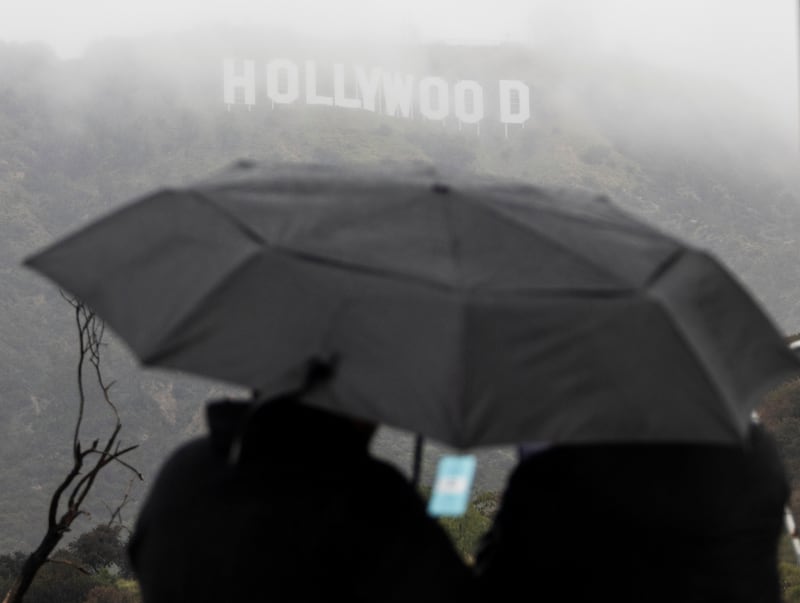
(473, 311)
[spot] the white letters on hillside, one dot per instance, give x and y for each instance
(469, 102)
(340, 97)
(512, 112)
(434, 98)
(246, 81)
(283, 84)
(312, 98)
(376, 90)
(368, 84)
(398, 94)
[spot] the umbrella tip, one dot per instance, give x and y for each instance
(440, 188)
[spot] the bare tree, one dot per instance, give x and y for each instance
(66, 503)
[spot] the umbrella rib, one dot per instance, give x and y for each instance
(354, 267)
(256, 237)
(546, 237)
(309, 256)
(250, 234)
(455, 253)
(715, 385)
(631, 225)
(246, 230)
(412, 278)
(166, 351)
(662, 268)
(701, 363)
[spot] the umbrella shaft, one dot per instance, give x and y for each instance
(417, 460)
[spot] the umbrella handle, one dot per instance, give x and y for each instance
(417, 460)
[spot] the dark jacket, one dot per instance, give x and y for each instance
(304, 514)
(633, 523)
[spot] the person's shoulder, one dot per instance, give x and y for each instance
(191, 452)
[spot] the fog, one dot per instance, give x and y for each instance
(749, 45)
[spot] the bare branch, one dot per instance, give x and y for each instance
(81, 326)
(72, 564)
(76, 485)
(59, 491)
(116, 514)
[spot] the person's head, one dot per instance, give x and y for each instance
(365, 428)
(288, 421)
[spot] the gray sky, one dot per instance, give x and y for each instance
(751, 43)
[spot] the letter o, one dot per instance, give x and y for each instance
(292, 92)
(469, 89)
(427, 86)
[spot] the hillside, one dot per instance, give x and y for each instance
(80, 137)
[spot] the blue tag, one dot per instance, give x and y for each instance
(452, 486)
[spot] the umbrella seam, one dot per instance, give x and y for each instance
(306, 255)
(250, 233)
(394, 274)
(455, 252)
(675, 324)
(189, 315)
(467, 197)
(510, 218)
(633, 224)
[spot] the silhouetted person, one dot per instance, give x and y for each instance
(285, 503)
(640, 523)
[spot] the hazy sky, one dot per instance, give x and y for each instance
(753, 43)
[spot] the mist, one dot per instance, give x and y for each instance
(617, 88)
(722, 76)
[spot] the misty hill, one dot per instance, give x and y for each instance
(80, 137)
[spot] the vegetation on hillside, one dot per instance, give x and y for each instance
(78, 138)
(93, 569)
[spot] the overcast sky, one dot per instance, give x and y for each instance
(753, 43)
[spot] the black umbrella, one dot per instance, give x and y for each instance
(476, 312)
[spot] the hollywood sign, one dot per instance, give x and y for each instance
(371, 89)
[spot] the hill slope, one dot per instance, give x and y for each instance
(78, 138)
